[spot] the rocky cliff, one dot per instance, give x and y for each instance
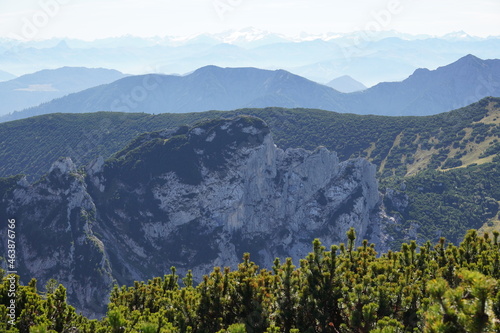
(193, 198)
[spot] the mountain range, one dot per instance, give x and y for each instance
(384, 56)
(428, 92)
(425, 92)
(208, 88)
(33, 89)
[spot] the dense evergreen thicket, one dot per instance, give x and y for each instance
(444, 204)
(31, 145)
(431, 288)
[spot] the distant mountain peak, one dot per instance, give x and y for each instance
(459, 36)
(469, 60)
(470, 57)
(466, 61)
(62, 45)
(420, 72)
(207, 68)
(214, 68)
(346, 84)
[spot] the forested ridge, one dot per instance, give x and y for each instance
(397, 145)
(430, 288)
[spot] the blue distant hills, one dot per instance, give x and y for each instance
(425, 92)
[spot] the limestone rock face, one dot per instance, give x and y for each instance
(54, 236)
(193, 198)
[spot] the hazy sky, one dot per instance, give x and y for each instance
(91, 19)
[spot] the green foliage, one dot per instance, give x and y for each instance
(441, 288)
(234, 328)
(493, 149)
(452, 163)
(447, 204)
(461, 309)
(40, 329)
(31, 145)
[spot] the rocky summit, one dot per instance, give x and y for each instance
(194, 198)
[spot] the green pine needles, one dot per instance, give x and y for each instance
(429, 288)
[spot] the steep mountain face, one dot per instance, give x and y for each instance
(32, 89)
(193, 198)
(425, 92)
(54, 234)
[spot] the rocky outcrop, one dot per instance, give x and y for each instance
(396, 200)
(193, 198)
(55, 238)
